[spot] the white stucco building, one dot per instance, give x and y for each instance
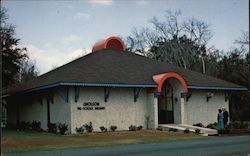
(111, 86)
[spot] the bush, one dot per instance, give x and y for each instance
(198, 125)
(238, 125)
(173, 130)
(62, 128)
(132, 128)
(103, 129)
(113, 128)
(235, 125)
(197, 131)
(212, 126)
(36, 126)
(79, 130)
(139, 127)
(23, 126)
(52, 128)
(243, 125)
(186, 130)
(159, 128)
(88, 127)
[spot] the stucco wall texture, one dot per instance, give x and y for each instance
(121, 110)
(59, 111)
(198, 110)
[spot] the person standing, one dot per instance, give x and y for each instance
(220, 120)
(225, 117)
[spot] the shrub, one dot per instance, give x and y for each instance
(113, 128)
(132, 128)
(186, 130)
(159, 128)
(197, 131)
(198, 125)
(79, 130)
(243, 125)
(23, 126)
(212, 126)
(175, 130)
(103, 129)
(235, 125)
(171, 129)
(36, 125)
(88, 127)
(52, 128)
(62, 128)
(139, 127)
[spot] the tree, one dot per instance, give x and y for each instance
(14, 58)
(27, 71)
(180, 43)
(235, 67)
(179, 51)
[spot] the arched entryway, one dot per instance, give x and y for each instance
(166, 104)
(169, 88)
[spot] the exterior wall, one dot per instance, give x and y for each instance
(34, 111)
(120, 109)
(198, 110)
(11, 114)
(59, 111)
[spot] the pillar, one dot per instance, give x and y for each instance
(182, 110)
(155, 112)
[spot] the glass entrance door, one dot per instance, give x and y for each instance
(165, 105)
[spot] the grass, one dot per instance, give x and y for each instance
(20, 141)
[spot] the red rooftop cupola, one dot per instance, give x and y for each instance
(113, 42)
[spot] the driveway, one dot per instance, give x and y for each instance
(216, 146)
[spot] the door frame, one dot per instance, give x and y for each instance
(163, 114)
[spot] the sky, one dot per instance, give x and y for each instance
(57, 31)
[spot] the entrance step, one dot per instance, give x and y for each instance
(182, 127)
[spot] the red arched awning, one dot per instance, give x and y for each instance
(161, 78)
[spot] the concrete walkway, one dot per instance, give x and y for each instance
(182, 127)
(215, 146)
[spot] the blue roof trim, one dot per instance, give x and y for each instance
(107, 85)
(124, 86)
(90, 85)
(216, 88)
(43, 87)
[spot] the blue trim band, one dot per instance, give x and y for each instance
(45, 87)
(107, 85)
(215, 88)
(90, 85)
(125, 85)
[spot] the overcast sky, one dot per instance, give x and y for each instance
(56, 32)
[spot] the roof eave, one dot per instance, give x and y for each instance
(218, 88)
(89, 85)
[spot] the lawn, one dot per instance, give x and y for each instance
(20, 141)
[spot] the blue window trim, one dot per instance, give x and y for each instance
(216, 88)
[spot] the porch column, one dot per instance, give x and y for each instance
(155, 111)
(182, 110)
